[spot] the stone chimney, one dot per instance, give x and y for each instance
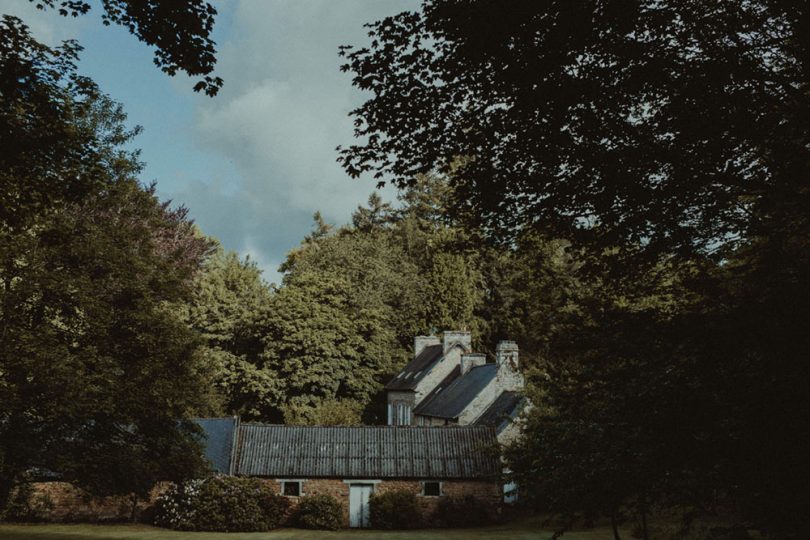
(471, 360)
(506, 356)
(420, 342)
(451, 337)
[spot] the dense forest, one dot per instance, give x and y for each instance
(619, 187)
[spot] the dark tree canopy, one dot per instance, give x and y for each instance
(662, 126)
(98, 375)
(664, 140)
(180, 31)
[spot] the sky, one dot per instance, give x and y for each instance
(255, 162)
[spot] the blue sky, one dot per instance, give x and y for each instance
(255, 162)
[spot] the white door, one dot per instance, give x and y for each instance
(358, 504)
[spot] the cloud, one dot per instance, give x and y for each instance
(45, 25)
(255, 162)
(277, 121)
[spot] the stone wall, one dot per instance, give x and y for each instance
(488, 491)
(68, 503)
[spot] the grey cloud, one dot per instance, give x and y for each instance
(278, 119)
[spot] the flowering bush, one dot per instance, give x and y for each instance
(320, 512)
(221, 503)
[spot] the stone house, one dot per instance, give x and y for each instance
(447, 384)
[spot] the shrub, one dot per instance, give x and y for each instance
(467, 511)
(320, 512)
(396, 509)
(25, 505)
(222, 504)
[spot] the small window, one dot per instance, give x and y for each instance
(291, 489)
(431, 489)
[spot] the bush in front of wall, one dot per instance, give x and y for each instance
(397, 509)
(221, 504)
(467, 511)
(320, 512)
(25, 505)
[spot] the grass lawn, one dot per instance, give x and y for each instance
(527, 529)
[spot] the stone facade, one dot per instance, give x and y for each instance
(70, 504)
(489, 492)
(456, 361)
(67, 503)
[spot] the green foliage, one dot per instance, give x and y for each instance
(671, 361)
(329, 412)
(181, 35)
(396, 509)
(321, 343)
(319, 512)
(353, 298)
(227, 309)
(220, 503)
(96, 369)
(467, 511)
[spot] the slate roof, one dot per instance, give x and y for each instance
(409, 377)
(219, 436)
(503, 409)
(450, 402)
(447, 381)
(367, 451)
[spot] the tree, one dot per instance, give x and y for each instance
(658, 127)
(321, 344)
(228, 309)
(179, 30)
(667, 143)
(97, 373)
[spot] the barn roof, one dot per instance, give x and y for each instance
(219, 439)
(451, 402)
(409, 377)
(503, 409)
(366, 451)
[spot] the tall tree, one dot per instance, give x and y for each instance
(656, 138)
(97, 373)
(651, 126)
(228, 309)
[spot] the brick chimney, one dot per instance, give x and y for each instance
(451, 337)
(420, 342)
(471, 360)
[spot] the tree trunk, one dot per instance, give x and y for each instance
(615, 525)
(645, 534)
(134, 513)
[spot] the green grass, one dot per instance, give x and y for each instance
(528, 529)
